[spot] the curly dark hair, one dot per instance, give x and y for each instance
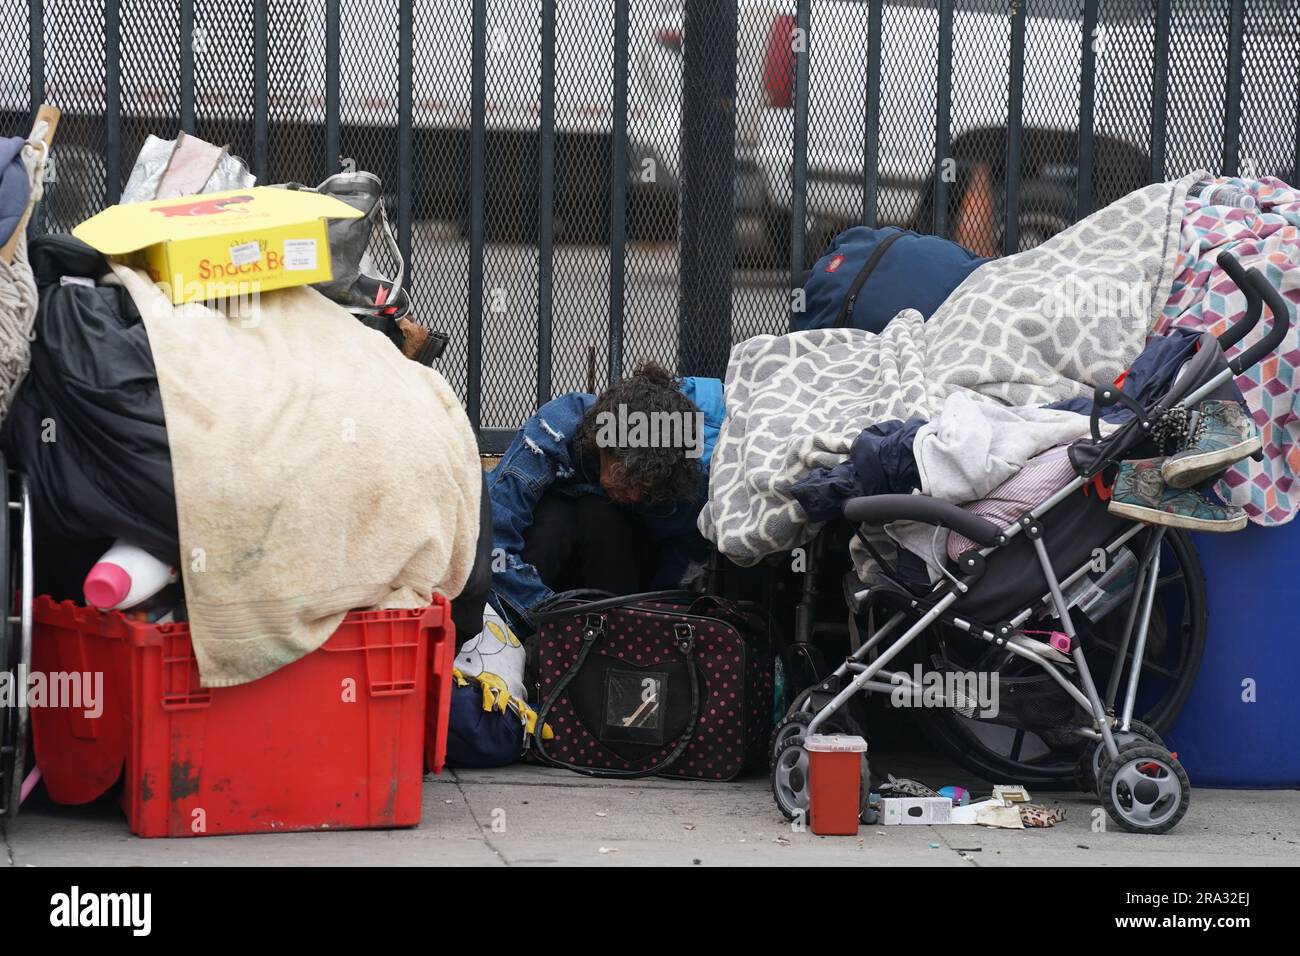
(661, 474)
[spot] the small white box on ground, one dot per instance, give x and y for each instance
(896, 811)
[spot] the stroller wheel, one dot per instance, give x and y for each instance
(1087, 772)
(1145, 789)
(795, 724)
(790, 781)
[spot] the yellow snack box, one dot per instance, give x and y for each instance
(222, 245)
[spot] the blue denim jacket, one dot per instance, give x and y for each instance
(542, 456)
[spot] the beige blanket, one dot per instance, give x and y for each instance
(316, 471)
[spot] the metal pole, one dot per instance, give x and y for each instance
(333, 109)
(1232, 106)
(1015, 128)
(871, 138)
(546, 206)
(1143, 624)
(261, 93)
(36, 53)
(1087, 111)
(618, 193)
(1295, 160)
(799, 182)
(112, 101)
(708, 241)
(943, 118)
(36, 88)
(187, 65)
(477, 189)
(1159, 89)
(405, 172)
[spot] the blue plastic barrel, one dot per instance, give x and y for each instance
(1241, 724)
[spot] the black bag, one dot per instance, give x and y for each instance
(108, 472)
(669, 682)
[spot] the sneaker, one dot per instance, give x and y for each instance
(1141, 493)
(1224, 435)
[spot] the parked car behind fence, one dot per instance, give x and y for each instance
(913, 110)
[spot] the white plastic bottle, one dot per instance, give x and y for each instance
(124, 576)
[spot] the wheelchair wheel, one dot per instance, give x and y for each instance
(15, 630)
(1179, 621)
(795, 724)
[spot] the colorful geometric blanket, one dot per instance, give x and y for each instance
(1203, 297)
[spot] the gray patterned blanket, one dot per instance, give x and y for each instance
(1036, 327)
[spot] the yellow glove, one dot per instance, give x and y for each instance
(530, 722)
(496, 696)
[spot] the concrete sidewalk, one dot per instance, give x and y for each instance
(527, 815)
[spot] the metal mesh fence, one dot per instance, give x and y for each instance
(581, 185)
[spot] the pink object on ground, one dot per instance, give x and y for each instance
(107, 585)
(29, 785)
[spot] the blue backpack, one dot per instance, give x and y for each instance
(867, 276)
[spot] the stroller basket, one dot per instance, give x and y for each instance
(1029, 702)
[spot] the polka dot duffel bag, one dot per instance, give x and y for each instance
(671, 683)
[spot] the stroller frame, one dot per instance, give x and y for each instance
(1146, 761)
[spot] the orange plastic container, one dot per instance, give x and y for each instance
(834, 783)
(335, 740)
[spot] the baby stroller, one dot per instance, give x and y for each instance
(1013, 585)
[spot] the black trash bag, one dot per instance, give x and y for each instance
(87, 424)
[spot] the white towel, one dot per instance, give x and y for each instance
(316, 471)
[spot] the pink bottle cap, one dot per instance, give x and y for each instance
(107, 585)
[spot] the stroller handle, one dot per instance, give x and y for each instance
(1254, 303)
(1281, 312)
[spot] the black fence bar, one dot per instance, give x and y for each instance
(546, 206)
(261, 93)
(618, 193)
(494, 441)
(36, 52)
(1015, 127)
(405, 137)
(1159, 89)
(1087, 160)
(1232, 105)
(187, 65)
(943, 118)
(477, 193)
(112, 101)
(333, 135)
(36, 89)
(708, 193)
(799, 169)
(871, 133)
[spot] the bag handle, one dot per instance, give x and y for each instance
(568, 603)
(593, 629)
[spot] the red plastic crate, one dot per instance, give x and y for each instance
(335, 740)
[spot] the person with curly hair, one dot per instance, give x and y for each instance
(604, 491)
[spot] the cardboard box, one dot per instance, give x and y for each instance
(896, 811)
(222, 245)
